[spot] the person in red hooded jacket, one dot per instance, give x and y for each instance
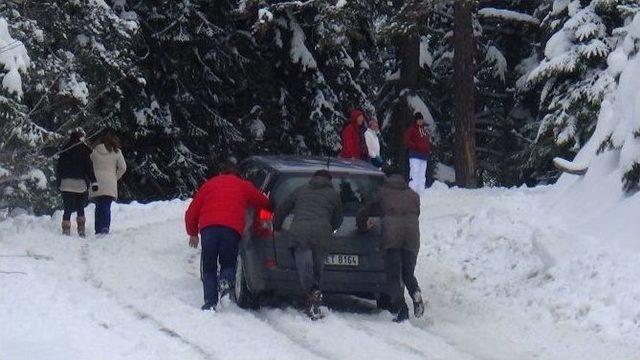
(353, 141)
(218, 212)
(418, 144)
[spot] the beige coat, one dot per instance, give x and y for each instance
(109, 168)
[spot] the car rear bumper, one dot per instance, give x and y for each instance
(335, 281)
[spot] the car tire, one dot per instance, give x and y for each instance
(242, 295)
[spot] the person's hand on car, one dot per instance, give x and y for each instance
(370, 224)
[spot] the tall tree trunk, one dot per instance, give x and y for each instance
(408, 53)
(464, 95)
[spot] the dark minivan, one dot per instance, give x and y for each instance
(354, 262)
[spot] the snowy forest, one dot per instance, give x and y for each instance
(186, 84)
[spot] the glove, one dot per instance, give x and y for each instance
(94, 187)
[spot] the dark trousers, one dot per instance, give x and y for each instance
(73, 202)
(219, 243)
(310, 267)
(103, 214)
(399, 266)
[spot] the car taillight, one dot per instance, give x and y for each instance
(263, 226)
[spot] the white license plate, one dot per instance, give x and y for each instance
(342, 260)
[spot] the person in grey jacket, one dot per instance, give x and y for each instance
(317, 212)
(399, 208)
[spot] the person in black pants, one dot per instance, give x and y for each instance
(399, 208)
(74, 174)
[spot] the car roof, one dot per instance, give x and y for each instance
(310, 164)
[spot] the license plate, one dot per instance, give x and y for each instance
(342, 260)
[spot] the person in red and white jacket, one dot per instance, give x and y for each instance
(418, 145)
(218, 212)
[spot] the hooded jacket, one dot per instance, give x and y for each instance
(223, 201)
(109, 166)
(399, 208)
(317, 212)
(353, 144)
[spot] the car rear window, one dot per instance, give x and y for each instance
(354, 190)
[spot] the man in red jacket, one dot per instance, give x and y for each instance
(218, 211)
(418, 144)
(353, 143)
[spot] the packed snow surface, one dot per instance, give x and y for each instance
(506, 277)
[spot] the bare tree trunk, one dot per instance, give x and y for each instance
(464, 95)
(408, 53)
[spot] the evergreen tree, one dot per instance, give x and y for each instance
(571, 77)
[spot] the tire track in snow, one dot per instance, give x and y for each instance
(398, 345)
(91, 278)
(145, 316)
(293, 337)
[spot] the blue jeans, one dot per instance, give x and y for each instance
(219, 243)
(103, 214)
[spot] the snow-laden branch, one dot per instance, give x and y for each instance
(508, 15)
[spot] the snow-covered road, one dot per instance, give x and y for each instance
(491, 264)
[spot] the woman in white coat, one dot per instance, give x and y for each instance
(109, 166)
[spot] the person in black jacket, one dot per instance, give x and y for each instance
(74, 175)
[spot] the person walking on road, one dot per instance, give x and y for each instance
(218, 212)
(317, 213)
(353, 143)
(418, 145)
(372, 140)
(74, 176)
(399, 208)
(109, 166)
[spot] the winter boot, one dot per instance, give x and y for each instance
(314, 303)
(66, 227)
(403, 312)
(81, 228)
(418, 304)
(208, 306)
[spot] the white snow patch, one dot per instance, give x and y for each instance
(264, 15)
(299, 52)
(557, 45)
(14, 59)
(74, 88)
(445, 173)
(506, 14)
(426, 59)
(38, 177)
(341, 4)
(496, 57)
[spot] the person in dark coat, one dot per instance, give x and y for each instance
(218, 212)
(74, 176)
(399, 208)
(353, 140)
(317, 213)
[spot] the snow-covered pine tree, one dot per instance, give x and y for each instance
(571, 77)
(82, 55)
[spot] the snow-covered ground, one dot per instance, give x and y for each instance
(509, 274)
